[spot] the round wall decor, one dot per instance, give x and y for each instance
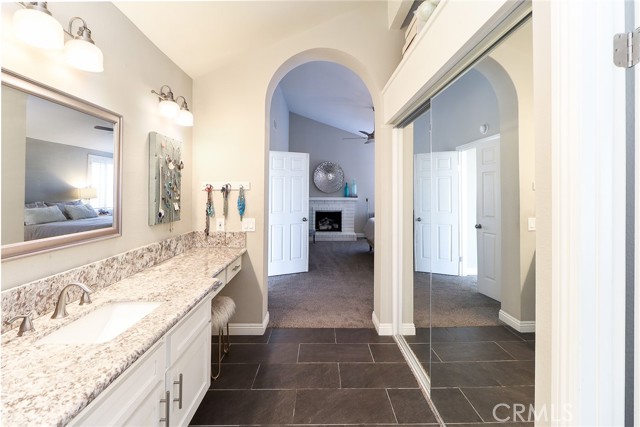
(328, 177)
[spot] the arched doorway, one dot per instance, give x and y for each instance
(317, 106)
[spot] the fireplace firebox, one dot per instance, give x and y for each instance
(329, 221)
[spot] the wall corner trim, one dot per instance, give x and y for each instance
(408, 329)
(249, 328)
(382, 328)
(523, 326)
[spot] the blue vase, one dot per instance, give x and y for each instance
(346, 189)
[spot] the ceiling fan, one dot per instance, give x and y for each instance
(369, 137)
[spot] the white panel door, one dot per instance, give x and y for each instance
(488, 224)
(446, 213)
(436, 214)
(422, 212)
(288, 213)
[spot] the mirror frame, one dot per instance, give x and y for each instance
(22, 249)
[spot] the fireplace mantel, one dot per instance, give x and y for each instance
(333, 199)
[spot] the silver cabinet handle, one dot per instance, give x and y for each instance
(478, 226)
(304, 219)
(179, 399)
(235, 268)
(167, 402)
(419, 219)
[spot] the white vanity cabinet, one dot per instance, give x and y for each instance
(169, 380)
(189, 364)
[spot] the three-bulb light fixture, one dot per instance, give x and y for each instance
(36, 26)
(172, 109)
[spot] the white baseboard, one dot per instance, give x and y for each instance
(382, 328)
(524, 326)
(249, 328)
(408, 329)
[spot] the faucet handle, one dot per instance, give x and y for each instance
(86, 291)
(25, 326)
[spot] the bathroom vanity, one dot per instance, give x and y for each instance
(153, 373)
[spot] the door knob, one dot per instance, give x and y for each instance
(419, 219)
(304, 219)
(478, 226)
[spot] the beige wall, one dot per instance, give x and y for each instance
(515, 56)
(133, 67)
(232, 143)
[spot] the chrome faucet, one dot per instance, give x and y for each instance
(61, 306)
(25, 326)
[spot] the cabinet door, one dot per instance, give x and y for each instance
(194, 364)
(134, 395)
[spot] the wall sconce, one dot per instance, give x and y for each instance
(170, 108)
(36, 26)
(484, 128)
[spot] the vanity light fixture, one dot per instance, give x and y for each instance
(81, 52)
(170, 108)
(36, 26)
(185, 117)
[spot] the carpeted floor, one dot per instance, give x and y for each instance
(456, 302)
(337, 292)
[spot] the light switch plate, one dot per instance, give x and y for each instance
(248, 224)
(531, 224)
(219, 224)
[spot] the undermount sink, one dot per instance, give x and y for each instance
(102, 324)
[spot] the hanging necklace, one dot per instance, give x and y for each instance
(226, 189)
(209, 210)
(241, 202)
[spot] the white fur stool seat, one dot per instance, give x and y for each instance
(222, 308)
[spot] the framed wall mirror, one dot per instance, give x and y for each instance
(61, 163)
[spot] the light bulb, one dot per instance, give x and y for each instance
(168, 108)
(84, 55)
(37, 28)
(185, 118)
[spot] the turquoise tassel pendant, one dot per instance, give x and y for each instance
(241, 202)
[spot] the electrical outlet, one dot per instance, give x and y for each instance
(248, 224)
(219, 224)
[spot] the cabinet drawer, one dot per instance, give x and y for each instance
(140, 386)
(234, 268)
(185, 332)
(222, 276)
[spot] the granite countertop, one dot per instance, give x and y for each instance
(49, 384)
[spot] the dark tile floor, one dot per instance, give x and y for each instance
(355, 377)
(473, 369)
(314, 376)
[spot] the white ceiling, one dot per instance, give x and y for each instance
(329, 93)
(48, 121)
(202, 36)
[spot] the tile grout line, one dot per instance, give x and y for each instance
(438, 356)
(505, 350)
(386, 390)
(339, 377)
(474, 408)
(298, 355)
(373, 359)
(255, 376)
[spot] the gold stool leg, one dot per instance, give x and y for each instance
(220, 332)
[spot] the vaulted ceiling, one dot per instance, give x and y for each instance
(200, 36)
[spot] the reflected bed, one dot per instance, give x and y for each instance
(52, 229)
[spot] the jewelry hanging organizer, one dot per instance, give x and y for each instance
(165, 179)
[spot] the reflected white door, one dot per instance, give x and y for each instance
(288, 213)
(422, 212)
(437, 213)
(488, 223)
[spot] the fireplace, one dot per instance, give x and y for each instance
(329, 221)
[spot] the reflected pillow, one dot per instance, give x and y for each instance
(80, 211)
(35, 205)
(34, 216)
(63, 206)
